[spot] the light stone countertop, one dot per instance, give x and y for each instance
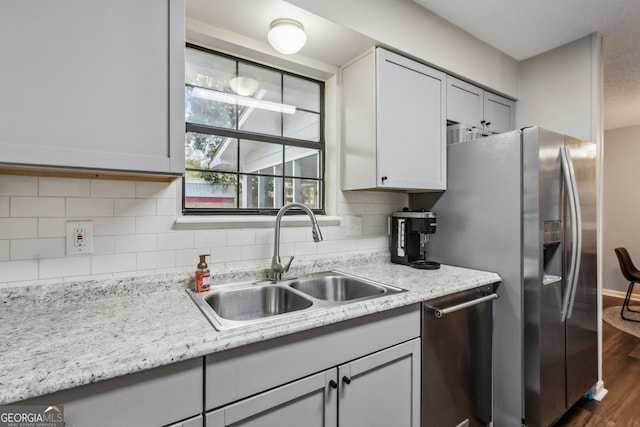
(58, 336)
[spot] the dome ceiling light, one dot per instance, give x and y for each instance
(287, 36)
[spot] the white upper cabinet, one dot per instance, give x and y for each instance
(474, 106)
(393, 124)
(93, 84)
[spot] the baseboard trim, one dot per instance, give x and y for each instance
(619, 294)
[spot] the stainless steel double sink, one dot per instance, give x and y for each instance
(234, 305)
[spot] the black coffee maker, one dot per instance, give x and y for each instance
(409, 236)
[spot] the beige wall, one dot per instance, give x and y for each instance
(557, 89)
(621, 202)
(408, 27)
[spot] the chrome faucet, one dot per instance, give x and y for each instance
(277, 268)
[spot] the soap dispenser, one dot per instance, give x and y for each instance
(203, 276)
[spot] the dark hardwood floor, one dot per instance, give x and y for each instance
(621, 375)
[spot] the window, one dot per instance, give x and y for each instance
(254, 137)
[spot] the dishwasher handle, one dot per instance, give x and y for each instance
(439, 312)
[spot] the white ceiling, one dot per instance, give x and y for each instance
(519, 28)
(525, 28)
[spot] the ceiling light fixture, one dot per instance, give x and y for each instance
(243, 86)
(287, 36)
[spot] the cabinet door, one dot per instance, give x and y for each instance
(382, 389)
(93, 84)
(191, 422)
(155, 397)
(498, 113)
(309, 402)
(411, 139)
(464, 102)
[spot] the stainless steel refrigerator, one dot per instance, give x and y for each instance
(523, 204)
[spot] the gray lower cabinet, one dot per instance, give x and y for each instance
(191, 422)
(157, 397)
(381, 389)
(309, 402)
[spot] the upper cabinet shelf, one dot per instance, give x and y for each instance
(474, 106)
(394, 124)
(94, 85)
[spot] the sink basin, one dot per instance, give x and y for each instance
(240, 304)
(256, 303)
(337, 288)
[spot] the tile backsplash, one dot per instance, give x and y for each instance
(134, 230)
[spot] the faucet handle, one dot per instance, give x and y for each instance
(286, 267)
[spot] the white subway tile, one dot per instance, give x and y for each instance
(89, 207)
(65, 267)
(255, 252)
(266, 236)
(103, 245)
(52, 227)
(4, 251)
(135, 207)
(110, 188)
(348, 245)
(228, 254)
(293, 234)
(101, 264)
(17, 271)
(154, 224)
(69, 187)
(109, 226)
(37, 248)
(374, 208)
(328, 247)
(189, 258)
(175, 240)
(15, 185)
(18, 228)
(135, 243)
(241, 237)
(305, 248)
(37, 207)
(167, 207)
(153, 260)
(156, 190)
(4, 206)
(209, 239)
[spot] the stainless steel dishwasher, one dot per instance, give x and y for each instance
(456, 359)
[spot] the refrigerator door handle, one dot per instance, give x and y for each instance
(571, 190)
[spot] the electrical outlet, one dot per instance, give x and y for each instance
(354, 226)
(79, 237)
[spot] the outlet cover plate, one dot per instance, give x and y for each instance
(79, 237)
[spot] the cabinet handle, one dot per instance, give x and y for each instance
(483, 122)
(384, 178)
(333, 384)
(488, 124)
(346, 380)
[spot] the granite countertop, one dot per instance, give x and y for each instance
(58, 336)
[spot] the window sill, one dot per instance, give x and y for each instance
(230, 221)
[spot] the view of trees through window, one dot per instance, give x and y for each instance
(254, 139)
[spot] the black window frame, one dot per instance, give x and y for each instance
(246, 135)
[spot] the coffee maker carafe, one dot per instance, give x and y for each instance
(409, 236)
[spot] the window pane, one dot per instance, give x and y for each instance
(269, 86)
(210, 190)
(211, 152)
(302, 125)
(306, 191)
(302, 162)
(201, 108)
(302, 93)
(208, 70)
(260, 192)
(258, 157)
